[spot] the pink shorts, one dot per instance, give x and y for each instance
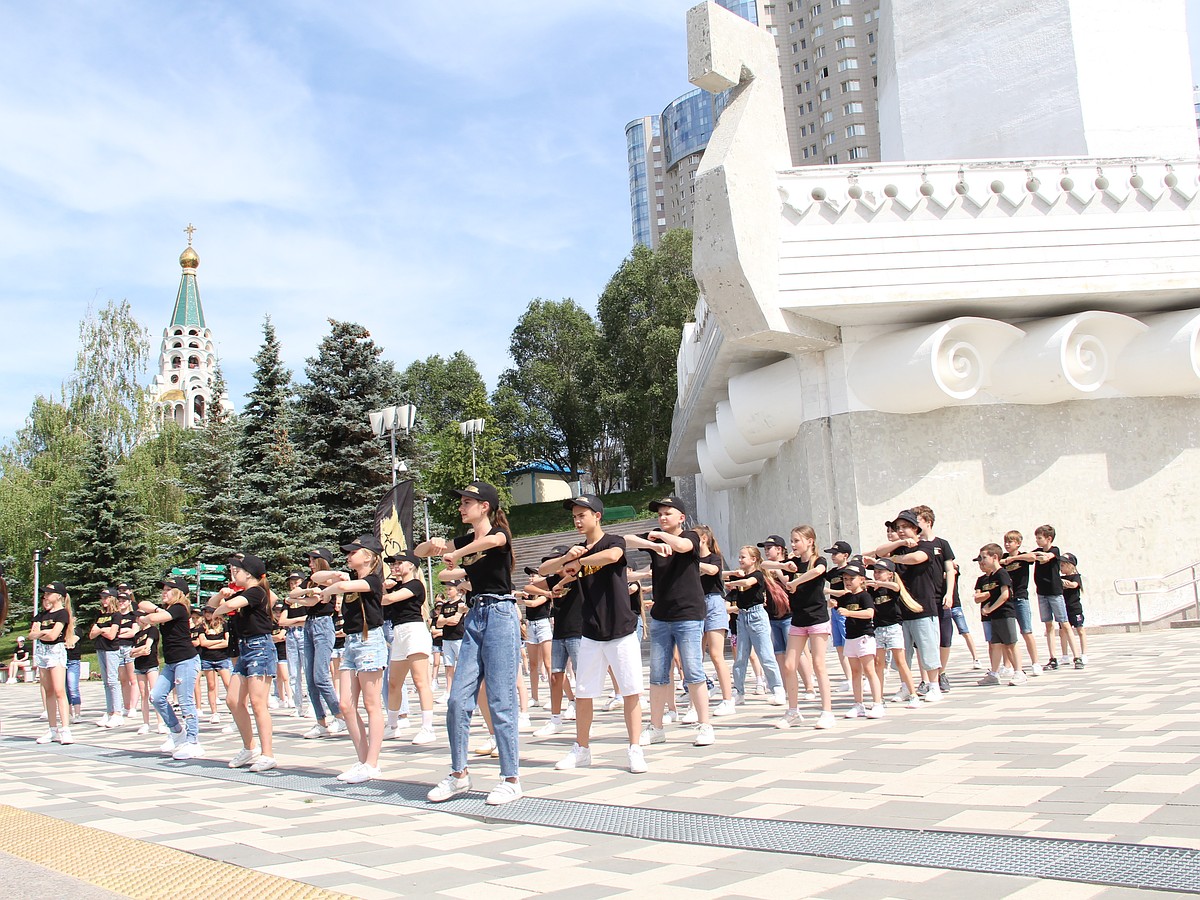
(857, 648)
(823, 628)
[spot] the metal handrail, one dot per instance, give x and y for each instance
(1137, 590)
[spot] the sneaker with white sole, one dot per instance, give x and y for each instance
(393, 731)
(48, 737)
(272, 702)
(738, 698)
(569, 712)
(934, 695)
(857, 711)
(504, 792)
(350, 771)
(449, 788)
(243, 758)
(102, 722)
(523, 722)
(115, 721)
(174, 739)
(670, 717)
(825, 720)
(188, 751)
(1019, 677)
(902, 696)
(162, 728)
(789, 718)
(724, 708)
(144, 728)
(976, 664)
(229, 728)
(362, 773)
(337, 726)
(577, 758)
(554, 726)
(653, 735)
(809, 696)
(487, 748)
(691, 717)
(637, 759)
(263, 764)
(1083, 658)
(214, 719)
(611, 703)
(424, 736)
(1035, 669)
(876, 711)
(760, 686)
(320, 731)
(704, 736)
(65, 736)
(778, 697)
(913, 702)
(989, 679)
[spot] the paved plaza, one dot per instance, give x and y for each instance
(939, 801)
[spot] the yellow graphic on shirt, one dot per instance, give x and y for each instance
(471, 559)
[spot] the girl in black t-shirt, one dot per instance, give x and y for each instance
(213, 644)
(48, 631)
(810, 629)
(180, 670)
(145, 670)
(716, 621)
(747, 586)
(404, 606)
(292, 619)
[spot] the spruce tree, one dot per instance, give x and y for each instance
(104, 544)
(347, 379)
(210, 530)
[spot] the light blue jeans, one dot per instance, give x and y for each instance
(318, 651)
(491, 655)
(687, 637)
(754, 632)
(73, 698)
(110, 669)
(293, 643)
(181, 677)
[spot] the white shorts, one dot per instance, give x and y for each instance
(623, 656)
(411, 639)
(858, 647)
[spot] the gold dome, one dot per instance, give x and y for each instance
(189, 258)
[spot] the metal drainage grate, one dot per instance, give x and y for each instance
(1117, 864)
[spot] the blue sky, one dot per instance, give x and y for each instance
(423, 169)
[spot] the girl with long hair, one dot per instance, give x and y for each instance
(747, 586)
(411, 645)
(213, 644)
(292, 620)
(491, 646)
(104, 635)
(810, 627)
(180, 671)
(145, 670)
(49, 631)
(716, 620)
(251, 683)
(320, 634)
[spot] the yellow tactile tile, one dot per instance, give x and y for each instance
(136, 868)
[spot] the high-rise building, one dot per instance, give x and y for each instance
(647, 203)
(187, 361)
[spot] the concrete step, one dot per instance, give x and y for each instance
(530, 550)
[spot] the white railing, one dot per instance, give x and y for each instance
(1160, 584)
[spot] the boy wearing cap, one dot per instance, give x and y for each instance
(858, 607)
(889, 635)
(950, 614)
(678, 616)
(609, 627)
(839, 555)
(566, 635)
(993, 591)
(921, 575)
(1072, 589)
(1017, 564)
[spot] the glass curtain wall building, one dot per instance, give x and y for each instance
(647, 204)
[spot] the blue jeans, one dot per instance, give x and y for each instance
(491, 654)
(688, 637)
(754, 632)
(838, 626)
(294, 645)
(318, 651)
(779, 634)
(73, 698)
(181, 677)
(110, 668)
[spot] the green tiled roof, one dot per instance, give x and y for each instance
(188, 311)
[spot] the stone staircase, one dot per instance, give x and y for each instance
(530, 550)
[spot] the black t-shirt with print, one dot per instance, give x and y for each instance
(363, 611)
(104, 621)
(712, 584)
(942, 552)
(147, 636)
(539, 612)
(321, 607)
(48, 618)
(568, 609)
(76, 652)
(124, 621)
(994, 584)
(1018, 571)
(296, 610)
(176, 635)
(254, 618)
(607, 614)
(887, 607)
(1047, 577)
(214, 631)
(451, 608)
(1071, 595)
(809, 606)
(406, 612)
(922, 579)
(753, 595)
(339, 631)
(490, 572)
(675, 580)
(855, 627)
(279, 633)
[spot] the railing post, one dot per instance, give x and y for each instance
(1139, 611)
(1195, 591)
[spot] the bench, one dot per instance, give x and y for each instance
(613, 513)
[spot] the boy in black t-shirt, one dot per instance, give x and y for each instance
(1018, 563)
(993, 593)
(1047, 579)
(1072, 583)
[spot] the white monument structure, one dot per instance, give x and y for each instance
(1000, 320)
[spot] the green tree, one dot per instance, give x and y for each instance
(445, 391)
(210, 528)
(106, 393)
(552, 388)
(449, 467)
(642, 312)
(351, 469)
(152, 477)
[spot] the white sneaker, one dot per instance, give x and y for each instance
(504, 792)
(243, 758)
(337, 726)
(569, 712)
(976, 664)
(724, 708)
(174, 740)
(115, 721)
(704, 736)
(825, 720)
(902, 696)
(935, 692)
(486, 749)
(652, 735)
(760, 686)
(1018, 678)
(188, 751)
(162, 728)
(523, 722)
(1004, 673)
(790, 718)
(845, 688)
(214, 719)
(739, 699)
(391, 731)
(424, 736)
(47, 737)
(857, 711)
(301, 712)
(670, 717)
(637, 759)
(1036, 669)
(229, 729)
(320, 731)
(448, 788)
(809, 696)
(272, 702)
(1083, 658)
(43, 715)
(913, 702)
(362, 773)
(143, 729)
(65, 736)
(263, 764)
(554, 726)
(441, 701)
(102, 722)
(611, 703)
(691, 717)
(351, 772)
(877, 711)
(778, 697)
(578, 758)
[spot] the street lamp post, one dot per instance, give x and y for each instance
(387, 420)
(472, 427)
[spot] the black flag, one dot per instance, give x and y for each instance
(394, 519)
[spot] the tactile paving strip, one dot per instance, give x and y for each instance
(136, 868)
(1117, 864)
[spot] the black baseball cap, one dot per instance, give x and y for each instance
(481, 491)
(671, 501)
(852, 569)
(885, 564)
(402, 557)
(839, 547)
(54, 587)
(530, 570)
(107, 592)
(907, 515)
(177, 582)
(364, 542)
(773, 540)
(250, 563)
(299, 576)
(1069, 557)
(320, 553)
(587, 501)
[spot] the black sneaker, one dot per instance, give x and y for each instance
(1078, 663)
(922, 689)
(944, 683)
(1052, 663)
